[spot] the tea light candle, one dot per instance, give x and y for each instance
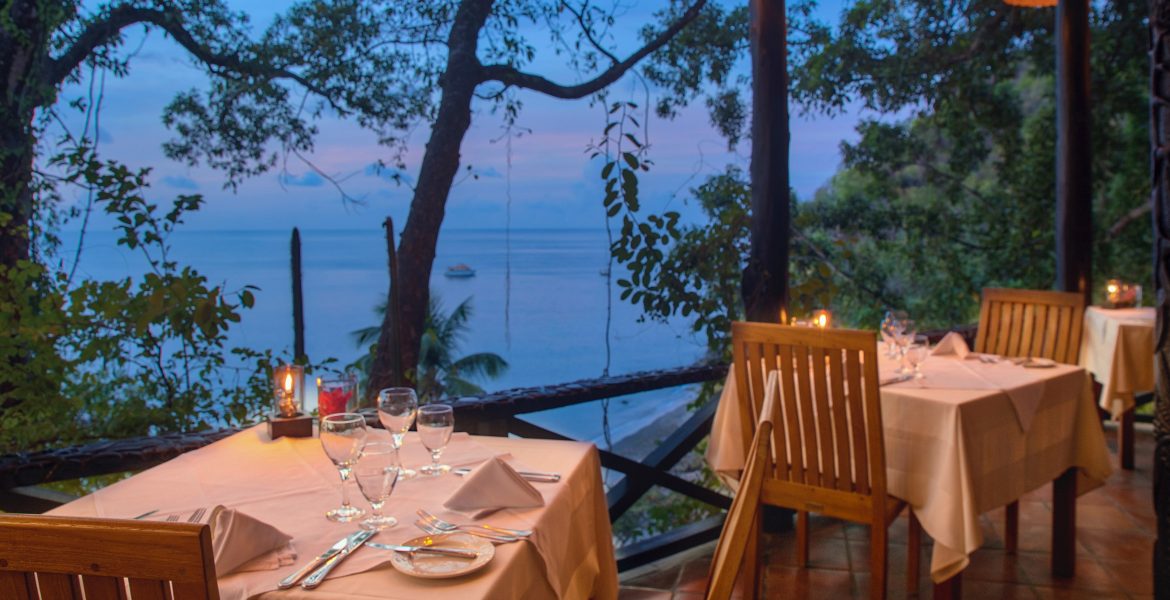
(822, 318)
(289, 390)
(1113, 291)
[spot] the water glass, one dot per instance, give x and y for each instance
(436, 422)
(397, 407)
(916, 354)
(343, 436)
(377, 474)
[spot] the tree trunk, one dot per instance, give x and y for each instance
(440, 163)
(765, 278)
(1160, 142)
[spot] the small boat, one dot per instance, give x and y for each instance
(460, 270)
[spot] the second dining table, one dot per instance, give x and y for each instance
(969, 437)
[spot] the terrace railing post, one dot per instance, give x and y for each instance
(298, 298)
(1160, 145)
(1074, 208)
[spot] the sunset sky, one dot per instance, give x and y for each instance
(553, 183)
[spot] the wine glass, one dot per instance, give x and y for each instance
(343, 435)
(889, 330)
(397, 407)
(905, 338)
(917, 353)
(435, 424)
(377, 474)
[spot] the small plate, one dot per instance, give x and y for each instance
(1039, 363)
(434, 566)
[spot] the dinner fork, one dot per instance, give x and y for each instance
(495, 537)
(198, 514)
(449, 526)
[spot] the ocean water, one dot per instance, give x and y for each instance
(548, 322)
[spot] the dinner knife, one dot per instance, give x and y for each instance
(456, 552)
(536, 476)
(319, 575)
(341, 544)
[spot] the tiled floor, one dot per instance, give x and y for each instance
(1115, 536)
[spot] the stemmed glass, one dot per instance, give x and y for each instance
(377, 474)
(889, 329)
(435, 424)
(343, 435)
(916, 354)
(397, 407)
(905, 338)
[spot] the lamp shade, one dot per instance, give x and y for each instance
(1033, 3)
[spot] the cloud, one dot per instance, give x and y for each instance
(104, 136)
(310, 179)
(180, 183)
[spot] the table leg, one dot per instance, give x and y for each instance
(1064, 524)
(951, 589)
(1125, 440)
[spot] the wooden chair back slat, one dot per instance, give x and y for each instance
(808, 418)
(103, 588)
(790, 433)
(840, 421)
(17, 586)
(1037, 323)
(74, 558)
(861, 450)
(824, 414)
(147, 589)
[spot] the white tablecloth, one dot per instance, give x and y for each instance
(1118, 349)
(954, 454)
(290, 483)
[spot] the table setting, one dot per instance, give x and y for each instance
(964, 433)
(336, 515)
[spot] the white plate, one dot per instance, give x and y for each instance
(436, 566)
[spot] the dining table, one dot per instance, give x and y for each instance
(1117, 348)
(970, 436)
(290, 483)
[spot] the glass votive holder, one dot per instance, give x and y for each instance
(336, 395)
(288, 391)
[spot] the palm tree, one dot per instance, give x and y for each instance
(439, 373)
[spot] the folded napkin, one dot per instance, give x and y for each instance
(492, 486)
(242, 542)
(952, 344)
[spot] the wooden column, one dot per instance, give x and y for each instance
(1160, 145)
(765, 278)
(298, 299)
(1074, 208)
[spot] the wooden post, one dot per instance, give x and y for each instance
(298, 300)
(1160, 145)
(1074, 208)
(765, 278)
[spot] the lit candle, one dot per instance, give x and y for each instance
(1113, 291)
(289, 390)
(822, 319)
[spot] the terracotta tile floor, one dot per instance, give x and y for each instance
(1115, 536)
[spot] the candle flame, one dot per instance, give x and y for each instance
(822, 320)
(288, 383)
(1112, 289)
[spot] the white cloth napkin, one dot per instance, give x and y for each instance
(242, 542)
(952, 344)
(492, 486)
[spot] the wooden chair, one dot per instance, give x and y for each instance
(741, 527)
(46, 557)
(1024, 323)
(827, 441)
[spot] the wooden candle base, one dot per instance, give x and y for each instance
(299, 426)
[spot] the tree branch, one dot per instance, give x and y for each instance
(510, 76)
(580, 15)
(104, 30)
(1136, 213)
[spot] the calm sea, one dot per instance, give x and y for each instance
(548, 322)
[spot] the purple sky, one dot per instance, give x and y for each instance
(553, 184)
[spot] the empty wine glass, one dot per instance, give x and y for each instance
(905, 338)
(343, 435)
(889, 329)
(916, 354)
(435, 424)
(377, 474)
(397, 407)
